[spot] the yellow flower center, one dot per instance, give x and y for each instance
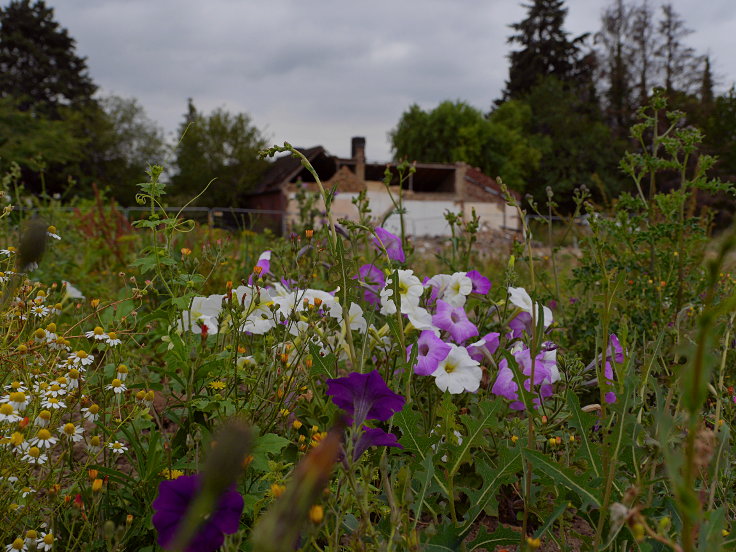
(55, 387)
(48, 539)
(16, 439)
(116, 383)
(94, 409)
(112, 335)
(52, 229)
(43, 434)
(15, 385)
(18, 397)
(98, 330)
(95, 441)
(61, 380)
(45, 415)
(82, 354)
(51, 327)
(18, 544)
(73, 374)
(32, 534)
(6, 409)
(34, 452)
(69, 429)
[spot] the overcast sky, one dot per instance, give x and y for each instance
(322, 71)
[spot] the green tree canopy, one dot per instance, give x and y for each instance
(38, 62)
(221, 146)
(455, 131)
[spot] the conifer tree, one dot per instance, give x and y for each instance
(545, 50)
(38, 63)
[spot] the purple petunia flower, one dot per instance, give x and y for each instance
(374, 437)
(454, 321)
(391, 243)
(173, 501)
(264, 262)
(364, 397)
(485, 346)
(615, 353)
(545, 374)
(481, 284)
(520, 323)
(373, 279)
(432, 351)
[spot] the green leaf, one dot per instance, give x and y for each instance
(711, 536)
(413, 439)
(562, 476)
(551, 518)
(475, 425)
(322, 365)
(266, 445)
(583, 422)
(424, 477)
(505, 471)
(502, 536)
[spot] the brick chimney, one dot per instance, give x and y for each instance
(357, 149)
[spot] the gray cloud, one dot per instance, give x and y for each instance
(321, 72)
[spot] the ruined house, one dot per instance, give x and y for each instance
(427, 194)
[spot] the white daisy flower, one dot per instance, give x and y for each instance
(17, 399)
(116, 386)
(18, 545)
(9, 251)
(16, 386)
(25, 491)
(52, 403)
(117, 447)
(3, 277)
(72, 432)
(40, 311)
(45, 541)
(51, 233)
(98, 334)
(91, 413)
(112, 339)
(95, 444)
(74, 377)
(56, 390)
(121, 372)
(43, 439)
(8, 414)
(43, 418)
(34, 456)
(82, 357)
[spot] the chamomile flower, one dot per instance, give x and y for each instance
(34, 456)
(51, 233)
(72, 432)
(3, 277)
(8, 414)
(82, 357)
(9, 251)
(121, 372)
(98, 334)
(73, 376)
(17, 545)
(117, 447)
(16, 386)
(59, 343)
(91, 413)
(40, 311)
(52, 403)
(45, 541)
(17, 399)
(95, 444)
(25, 491)
(55, 390)
(43, 439)
(31, 536)
(43, 418)
(113, 340)
(116, 386)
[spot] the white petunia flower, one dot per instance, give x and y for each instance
(520, 298)
(458, 372)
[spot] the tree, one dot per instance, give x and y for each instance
(455, 131)
(125, 142)
(677, 61)
(545, 48)
(220, 146)
(38, 63)
(616, 62)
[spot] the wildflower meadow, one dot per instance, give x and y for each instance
(171, 386)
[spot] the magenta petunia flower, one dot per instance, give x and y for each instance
(545, 374)
(431, 351)
(374, 437)
(364, 397)
(481, 284)
(173, 501)
(373, 280)
(454, 321)
(486, 346)
(391, 243)
(615, 353)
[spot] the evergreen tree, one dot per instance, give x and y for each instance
(706, 85)
(38, 63)
(643, 46)
(677, 61)
(545, 50)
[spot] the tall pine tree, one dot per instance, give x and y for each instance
(38, 63)
(545, 50)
